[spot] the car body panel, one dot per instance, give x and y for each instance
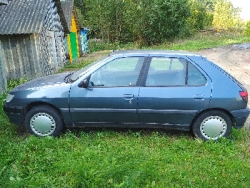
(240, 117)
(224, 92)
(172, 105)
(109, 105)
(50, 90)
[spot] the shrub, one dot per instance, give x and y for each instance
(247, 30)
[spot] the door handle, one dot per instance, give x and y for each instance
(128, 96)
(199, 97)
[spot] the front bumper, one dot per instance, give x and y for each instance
(14, 113)
(240, 117)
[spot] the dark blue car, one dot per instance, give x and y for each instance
(138, 88)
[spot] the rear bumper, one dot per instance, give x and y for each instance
(14, 113)
(240, 117)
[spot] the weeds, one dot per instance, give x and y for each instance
(15, 82)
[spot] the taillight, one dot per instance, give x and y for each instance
(244, 95)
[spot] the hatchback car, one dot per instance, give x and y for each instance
(138, 88)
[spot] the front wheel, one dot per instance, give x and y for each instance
(43, 121)
(212, 125)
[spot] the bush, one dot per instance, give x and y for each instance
(247, 30)
(146, 21)
(15, 82)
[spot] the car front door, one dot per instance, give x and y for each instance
(112, 94)
(174, 91)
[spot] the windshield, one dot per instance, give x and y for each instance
(86, 69)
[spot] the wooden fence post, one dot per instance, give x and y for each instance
(3, 80)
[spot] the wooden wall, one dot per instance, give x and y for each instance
(3, 81)
(21, 55)
(53, 51)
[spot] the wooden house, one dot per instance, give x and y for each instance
(32, 36)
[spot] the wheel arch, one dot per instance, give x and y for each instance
(213, 109)
(34, 104)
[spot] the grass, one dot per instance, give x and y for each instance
(194, 43)
(120, 158)
(201, 41)
(123, 158)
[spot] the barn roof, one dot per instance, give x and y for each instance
(27, 16)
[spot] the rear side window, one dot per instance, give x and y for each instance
(173, 72)
(195, 78)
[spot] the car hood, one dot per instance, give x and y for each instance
(43, 82)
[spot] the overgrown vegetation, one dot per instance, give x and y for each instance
(225, 15)
(15, 82)
(150, 22)
(247, 30)
(124, 158)
(193, 43)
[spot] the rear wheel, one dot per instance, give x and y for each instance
(212, 125)
(43, 121)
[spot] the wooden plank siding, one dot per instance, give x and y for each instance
(52, 41)
(21, 56)
(3, 81)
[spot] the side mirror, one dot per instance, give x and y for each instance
(84, 83)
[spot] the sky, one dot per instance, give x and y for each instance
(245, 5)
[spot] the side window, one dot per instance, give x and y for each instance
(117, 73)
(166, 72)
(170, 72)
(195, 78)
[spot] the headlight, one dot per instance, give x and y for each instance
(9, 97)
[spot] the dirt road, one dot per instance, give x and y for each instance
(236, 60)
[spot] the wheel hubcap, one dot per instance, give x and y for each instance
(42, 124)
(213, 127)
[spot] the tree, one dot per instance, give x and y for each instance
(196, 21)
(225, 14)
(247, 30)
(146, 21)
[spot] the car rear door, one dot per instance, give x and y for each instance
(174, 91)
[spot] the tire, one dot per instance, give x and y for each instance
(212, 125)
(43, 121)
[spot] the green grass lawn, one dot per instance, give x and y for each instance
(122, 158)
(194, 43)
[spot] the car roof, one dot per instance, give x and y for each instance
(153, 52)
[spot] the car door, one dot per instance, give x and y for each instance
(174, 91)
(112, 94)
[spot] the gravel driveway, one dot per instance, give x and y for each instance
(236, 60)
